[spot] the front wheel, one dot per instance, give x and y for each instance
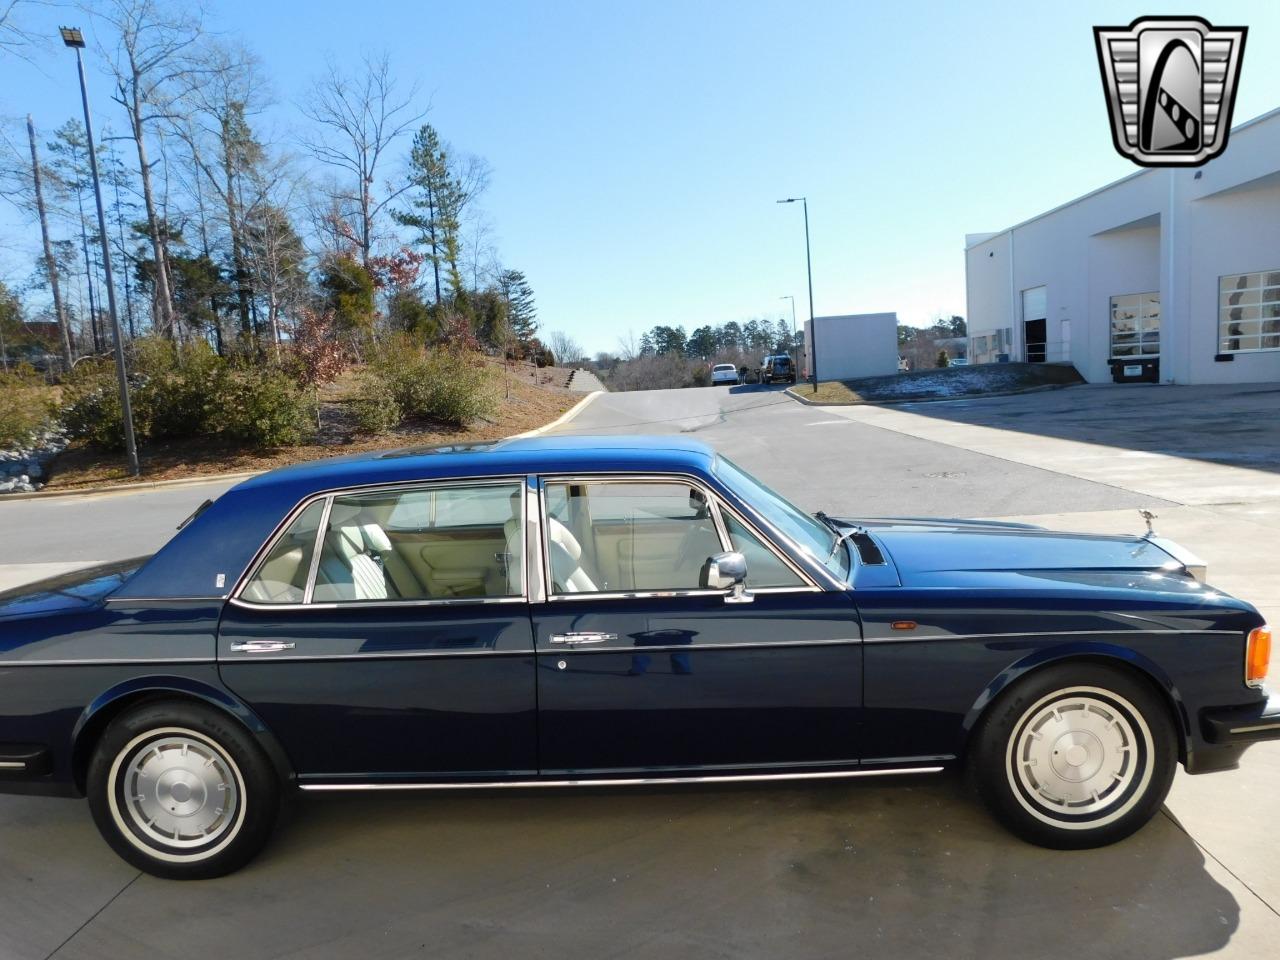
(1075, 756)
(182, 791)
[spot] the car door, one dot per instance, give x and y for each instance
(643, 671)
(385, 636)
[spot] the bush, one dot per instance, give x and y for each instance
(263, 408)
(405, 381)
(26, 405)
(183, 394)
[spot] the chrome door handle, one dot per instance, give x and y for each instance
(260, 646)
(584, 637)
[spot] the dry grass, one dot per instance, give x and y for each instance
(527, 408)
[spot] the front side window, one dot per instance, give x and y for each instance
(808, 533)
(446, 542)
(1249, 312)
(628, 536)
(1135, 326)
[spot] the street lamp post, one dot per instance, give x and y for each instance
(74, 39)
(808, 261)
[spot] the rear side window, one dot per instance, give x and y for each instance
(282, 575)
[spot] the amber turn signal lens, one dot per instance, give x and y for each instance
(1257, 656)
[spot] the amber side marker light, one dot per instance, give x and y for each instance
(1257, 656)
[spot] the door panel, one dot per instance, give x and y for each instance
(692, 683)
(396, 691)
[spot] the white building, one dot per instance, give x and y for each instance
(854, 345)
(1168, 274)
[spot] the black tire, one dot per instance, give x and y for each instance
(1101, 731)
(173, 752)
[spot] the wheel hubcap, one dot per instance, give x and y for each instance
(180, 791)
(1075, 754)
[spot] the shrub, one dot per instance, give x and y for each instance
(263, 408)
(26, 405)
(188, 393)
(403, 380)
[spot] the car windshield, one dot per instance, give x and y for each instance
(723, 367)
(810, 534)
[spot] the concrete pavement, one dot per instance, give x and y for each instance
(908, 869)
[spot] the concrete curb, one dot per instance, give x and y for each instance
(898, 403)
(129, 487)
(564, 418)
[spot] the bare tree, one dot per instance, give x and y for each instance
(50, 265)
(151, 65)
(361, 116)
(16, 39)
(564, 347)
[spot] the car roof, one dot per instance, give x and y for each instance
(223, 539)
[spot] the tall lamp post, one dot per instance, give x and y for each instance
(74, 39)
(795, 331)
(808, 261)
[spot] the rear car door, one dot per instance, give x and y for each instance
(643, 671)
(385, 636)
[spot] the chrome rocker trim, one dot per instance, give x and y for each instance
(620, 782)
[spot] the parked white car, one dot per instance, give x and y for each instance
(723, 373)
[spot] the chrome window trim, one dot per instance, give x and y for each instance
(628, 781)
(407, 485)
(363, 604)
(714, 500)
(313, 568)
(535, 585)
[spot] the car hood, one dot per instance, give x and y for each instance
(923, 549)
(68, 592)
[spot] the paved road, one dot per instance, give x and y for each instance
(909, 869)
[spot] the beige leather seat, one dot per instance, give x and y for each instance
(566, 556)
(359, 562)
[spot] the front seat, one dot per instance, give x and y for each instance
(566, 555)
(359, 562)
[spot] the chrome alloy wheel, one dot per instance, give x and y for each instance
(1080, 758)
(176, 794)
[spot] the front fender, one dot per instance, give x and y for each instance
(1098, 651)
(113, 701)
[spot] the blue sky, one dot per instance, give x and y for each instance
(638, 149)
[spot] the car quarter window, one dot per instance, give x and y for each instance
(281, 577)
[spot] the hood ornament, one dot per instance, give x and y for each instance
(1148, 516)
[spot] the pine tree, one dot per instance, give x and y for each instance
(522, 314)
(435, 198)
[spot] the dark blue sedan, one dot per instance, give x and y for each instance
(580, 611)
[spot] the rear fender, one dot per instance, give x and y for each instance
(112, 702)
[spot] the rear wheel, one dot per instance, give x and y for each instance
(1075, 756)
(182, 791)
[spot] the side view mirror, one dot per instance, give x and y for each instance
(728, 571)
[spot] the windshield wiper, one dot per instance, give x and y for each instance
(841, 535)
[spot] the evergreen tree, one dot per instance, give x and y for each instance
(435, 198)
(522, 315)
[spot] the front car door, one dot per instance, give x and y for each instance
(385, 636)
(642, 671)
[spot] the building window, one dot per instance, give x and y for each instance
(1135, 326)
(1249, 312)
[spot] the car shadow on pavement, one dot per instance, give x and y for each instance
(910, 868)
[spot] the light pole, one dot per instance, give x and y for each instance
(74, 39)
(795, 331)
(808, 261)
